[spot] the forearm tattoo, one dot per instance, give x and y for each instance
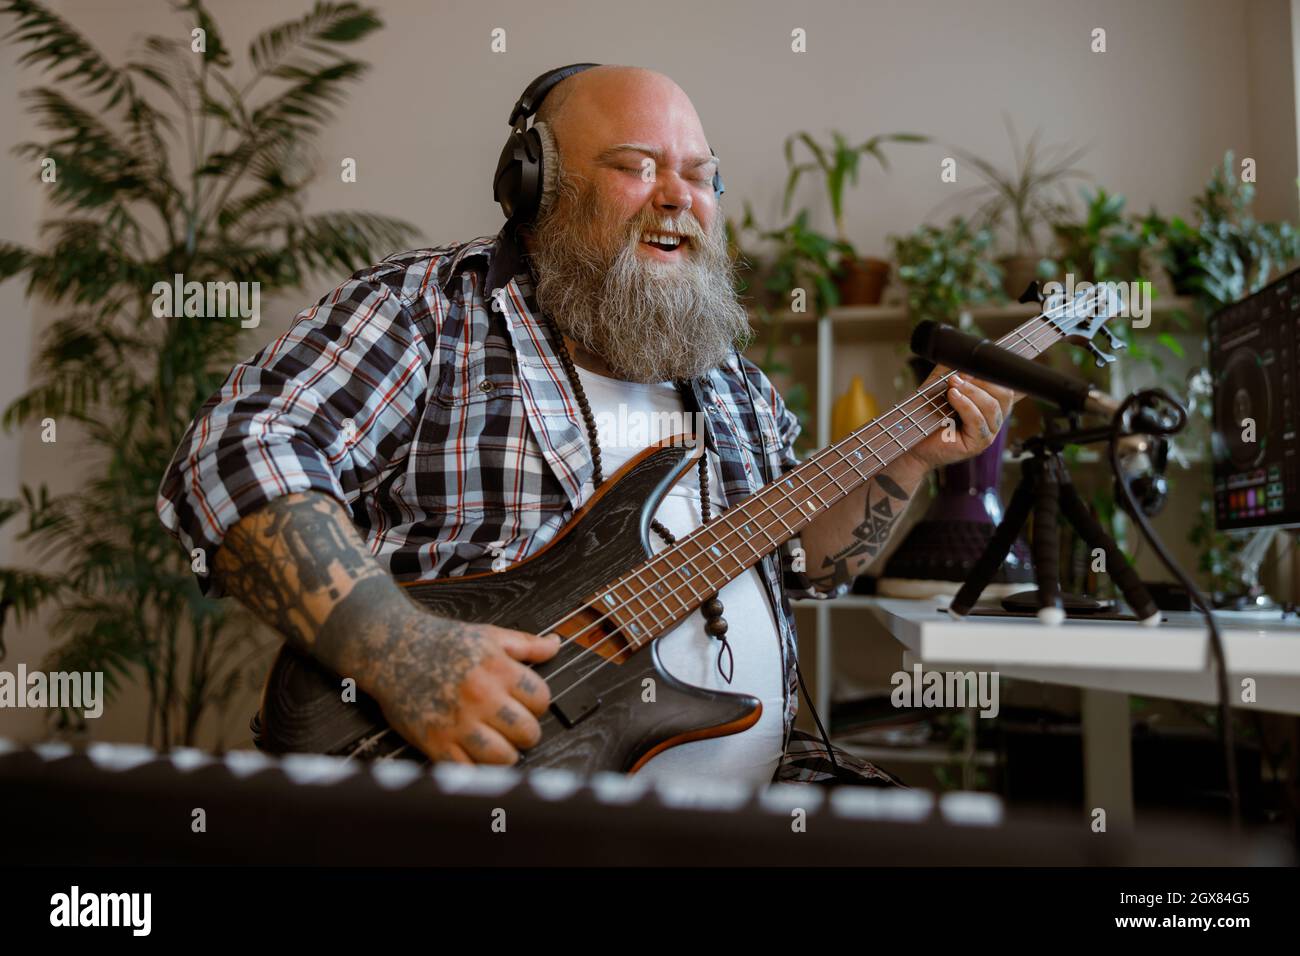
(886, 502)
(288, 561)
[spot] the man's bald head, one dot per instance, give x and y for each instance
(610, 90)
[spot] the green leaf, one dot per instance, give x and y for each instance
(55, 45)
(327, 23)
(1172, 344)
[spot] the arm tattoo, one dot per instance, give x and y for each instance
(417, 658)
(869, 538)
(291, 550)
(289, 563)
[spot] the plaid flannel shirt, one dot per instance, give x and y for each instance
(426, 397)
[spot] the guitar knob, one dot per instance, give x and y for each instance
(1115, 341)
(1101, 357)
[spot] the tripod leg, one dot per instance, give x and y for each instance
(1095, 536)
(1046, 546)
(995, 552)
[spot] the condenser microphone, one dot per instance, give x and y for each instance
(944, 345)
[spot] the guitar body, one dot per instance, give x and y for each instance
(604, 714)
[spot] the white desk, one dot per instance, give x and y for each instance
(1166, 661)
(1109, 660)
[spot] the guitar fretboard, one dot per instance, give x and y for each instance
(653, 597)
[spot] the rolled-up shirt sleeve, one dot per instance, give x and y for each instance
(325, 407)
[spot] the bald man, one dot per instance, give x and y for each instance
(417, 422)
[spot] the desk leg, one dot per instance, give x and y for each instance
(1107, 756)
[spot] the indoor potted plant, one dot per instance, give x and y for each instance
(130, 204)
(800, 258)
(860, 280)
(1222, 256)
(1022, 202)
(1104, 244)
(947, 270)
(1226, 254)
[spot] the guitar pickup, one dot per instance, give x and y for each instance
(575, 704)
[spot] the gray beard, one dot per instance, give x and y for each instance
(649, 321)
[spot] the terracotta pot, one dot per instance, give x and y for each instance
(862, 281)
(1018, 272)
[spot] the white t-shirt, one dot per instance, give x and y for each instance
(629, 417)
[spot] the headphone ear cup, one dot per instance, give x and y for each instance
(517, 183)
(549, 162)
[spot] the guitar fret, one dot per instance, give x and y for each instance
(894, 438)
(628, 622)
(664, 591)
(826, 471)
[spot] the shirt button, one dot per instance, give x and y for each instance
(496, 299)
(486, 387)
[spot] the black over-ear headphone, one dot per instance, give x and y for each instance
(520, 178)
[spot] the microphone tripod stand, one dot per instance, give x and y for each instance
(1046, 490)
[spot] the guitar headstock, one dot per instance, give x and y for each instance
(1079, 313)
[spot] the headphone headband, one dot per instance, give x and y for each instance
(531, 100)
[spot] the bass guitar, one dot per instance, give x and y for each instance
(599, 586)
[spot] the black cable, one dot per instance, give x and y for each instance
(1216, 640)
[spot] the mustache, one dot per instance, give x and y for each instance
(687, 226)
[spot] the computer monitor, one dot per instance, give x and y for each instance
(1254, 444)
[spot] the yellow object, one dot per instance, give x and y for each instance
(852, 410)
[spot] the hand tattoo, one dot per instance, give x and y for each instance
(413, 660)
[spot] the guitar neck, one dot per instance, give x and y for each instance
(671, 585)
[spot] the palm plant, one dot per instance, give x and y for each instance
(130, 213)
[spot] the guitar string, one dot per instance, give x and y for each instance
(765, 521)
(583, 655)
(932, 403)
(929, 406)
(636, 617)
(649, 608)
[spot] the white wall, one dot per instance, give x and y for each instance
(1181, 81)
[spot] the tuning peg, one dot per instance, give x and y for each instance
(1102, 358)
(1031, 293)
(1115, 341)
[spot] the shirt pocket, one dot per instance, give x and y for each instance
(475, 373)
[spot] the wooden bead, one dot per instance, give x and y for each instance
(712, 608)
(716, 627)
